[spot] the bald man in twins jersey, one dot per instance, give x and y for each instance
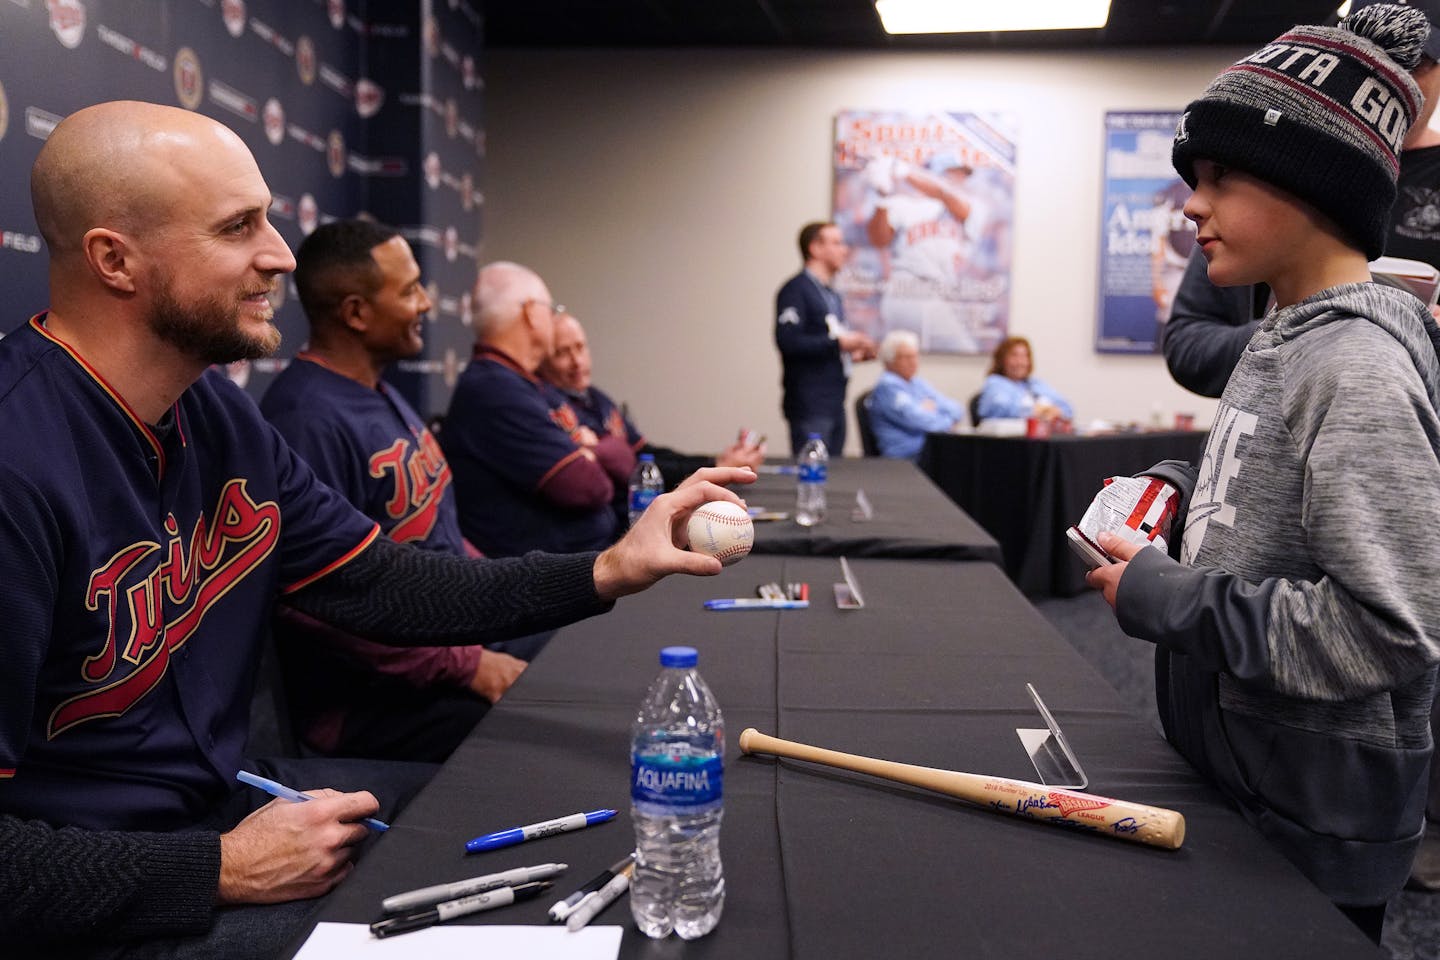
(360, 287)
(149, 519)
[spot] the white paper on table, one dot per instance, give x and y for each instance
(330, 941)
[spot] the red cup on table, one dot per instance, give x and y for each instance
(1037, 428)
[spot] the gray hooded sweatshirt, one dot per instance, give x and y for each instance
(1298, 635)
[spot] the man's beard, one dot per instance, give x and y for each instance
(207, 329)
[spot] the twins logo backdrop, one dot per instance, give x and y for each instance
(1146, 240)
(926, 202)
(351, 107)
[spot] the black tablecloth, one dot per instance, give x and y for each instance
(912, 519)
(1027, 492)
(821, 863)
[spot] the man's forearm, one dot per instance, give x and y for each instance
(410, 597)
(70, 885)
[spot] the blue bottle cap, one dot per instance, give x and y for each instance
(647, 456)
(814, 436)
(679, 657)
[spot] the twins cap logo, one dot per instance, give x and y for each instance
(308, 214)
(67, 20)
(467, 71)
(335, 153)
(467, 309)
(369, 97)
(432, 35)
(452, 243)
(189, 78)
(238, 372)
(336, 10)
(450, 372)
(273, 117)
(432, 170)
(1181, 134)
(233, 12)
(4, 112)
(305, 60)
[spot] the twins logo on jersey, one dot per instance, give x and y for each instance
(421, 476)
(615, 424)
(134, 585)
(565, 418)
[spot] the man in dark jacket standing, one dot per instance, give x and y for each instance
(816, 349)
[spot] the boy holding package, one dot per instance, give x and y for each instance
(1297, 636)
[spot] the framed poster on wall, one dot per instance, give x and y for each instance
(1145, 239)
(925, 201)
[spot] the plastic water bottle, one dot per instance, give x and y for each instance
(814, 469)
(677, 752)
(646, 484)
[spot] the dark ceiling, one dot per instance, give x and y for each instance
(854, 24)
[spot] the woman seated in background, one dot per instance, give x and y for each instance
(1011, 392)
(903, 406)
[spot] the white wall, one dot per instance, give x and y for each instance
(659, 194)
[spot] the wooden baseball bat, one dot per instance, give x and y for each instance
(1137, 822)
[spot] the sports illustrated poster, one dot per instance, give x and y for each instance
(1145, 239)
(350, 107)
(926, 202)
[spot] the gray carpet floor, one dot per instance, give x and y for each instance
(1412, 922)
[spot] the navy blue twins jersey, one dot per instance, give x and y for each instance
(138, 567)
(372, 447)
(507, 438)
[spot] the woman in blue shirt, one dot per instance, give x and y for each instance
(1011, 392)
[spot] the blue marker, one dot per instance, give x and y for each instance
(294, 796)
(756, 603)
(506, 838)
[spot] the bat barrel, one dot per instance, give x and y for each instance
(1137, 822)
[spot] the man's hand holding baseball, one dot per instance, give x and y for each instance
(654, 547)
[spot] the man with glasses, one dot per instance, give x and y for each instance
(522, 479)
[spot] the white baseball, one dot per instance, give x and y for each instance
(721, 530)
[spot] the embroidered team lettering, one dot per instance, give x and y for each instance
(133, 588)
(421, 475)
(565, 418)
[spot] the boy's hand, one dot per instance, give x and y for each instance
(1106, 579)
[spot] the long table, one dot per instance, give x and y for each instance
(1027, 492)
(912, 518)
(821, 863)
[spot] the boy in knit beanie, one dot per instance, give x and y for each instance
(1297, 634)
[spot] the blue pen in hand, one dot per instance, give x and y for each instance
(505, 838)
(294, 796)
